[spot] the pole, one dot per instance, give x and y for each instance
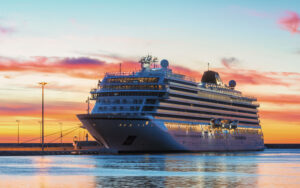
(43, 128)
(61, 135)
(18, 121)
(43, 118)
(88, 103)
(40, 122)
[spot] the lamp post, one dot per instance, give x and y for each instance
(43, 85)
(40, 122)
(61, 135)
(18, 121)
(88, 103)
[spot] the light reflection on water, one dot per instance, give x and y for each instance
(268, 168)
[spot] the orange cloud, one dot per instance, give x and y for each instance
(280, 99)
(186, 71)
(64, 111)
(282, 116)
(89, 68)
(290, 22)
(81, 67)
(253, 77)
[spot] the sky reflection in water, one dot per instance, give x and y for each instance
(266, 169)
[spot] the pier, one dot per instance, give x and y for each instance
(79, 148)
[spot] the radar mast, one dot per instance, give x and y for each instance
(146, 62)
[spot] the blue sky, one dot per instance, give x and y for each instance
(190, 32)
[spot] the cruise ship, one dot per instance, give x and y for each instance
(157, 110)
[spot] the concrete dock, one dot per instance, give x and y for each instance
(81, 148)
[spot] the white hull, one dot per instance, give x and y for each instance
(151, 135)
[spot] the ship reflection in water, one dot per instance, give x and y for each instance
(267, 168)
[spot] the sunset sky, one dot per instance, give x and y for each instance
(71, 44)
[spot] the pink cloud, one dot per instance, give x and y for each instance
(290, 22)
(229, 62)
(6, 30)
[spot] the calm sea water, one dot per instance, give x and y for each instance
(269, 168)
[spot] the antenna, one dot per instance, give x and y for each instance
(120, 67)
(207, 66)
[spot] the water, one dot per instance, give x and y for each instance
(269, 168)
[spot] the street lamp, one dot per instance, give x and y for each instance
(18, 121)
(43, 85)
(61, 135)
(40, 122)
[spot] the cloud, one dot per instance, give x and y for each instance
(280, 99)
(91, 68)
(53, 110)
(81, 67)
(187, 72)
(229, 62)
(253, 77)
(6, 30)
(285, 116)
(290, 22)
(81, 61)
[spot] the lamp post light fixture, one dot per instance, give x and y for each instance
(18, 121)
(43, 85)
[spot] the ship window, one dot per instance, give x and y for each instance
(124, 101)
(148, 108)
(121, 108)
(150, 101)
(114, 108)
(129, 140)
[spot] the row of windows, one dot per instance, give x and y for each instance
(126, 101)
(120, 101)
(133, 80)
(159, 94)
(197, 118)
(207, 106)
(213, 101)
(151, 87)
(119, 108)
(205, 112)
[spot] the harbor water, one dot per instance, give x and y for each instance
(268, 168)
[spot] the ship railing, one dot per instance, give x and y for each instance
(233, 92)
(120, 73)
(180, 76)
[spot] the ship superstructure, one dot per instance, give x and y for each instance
(156, 110)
